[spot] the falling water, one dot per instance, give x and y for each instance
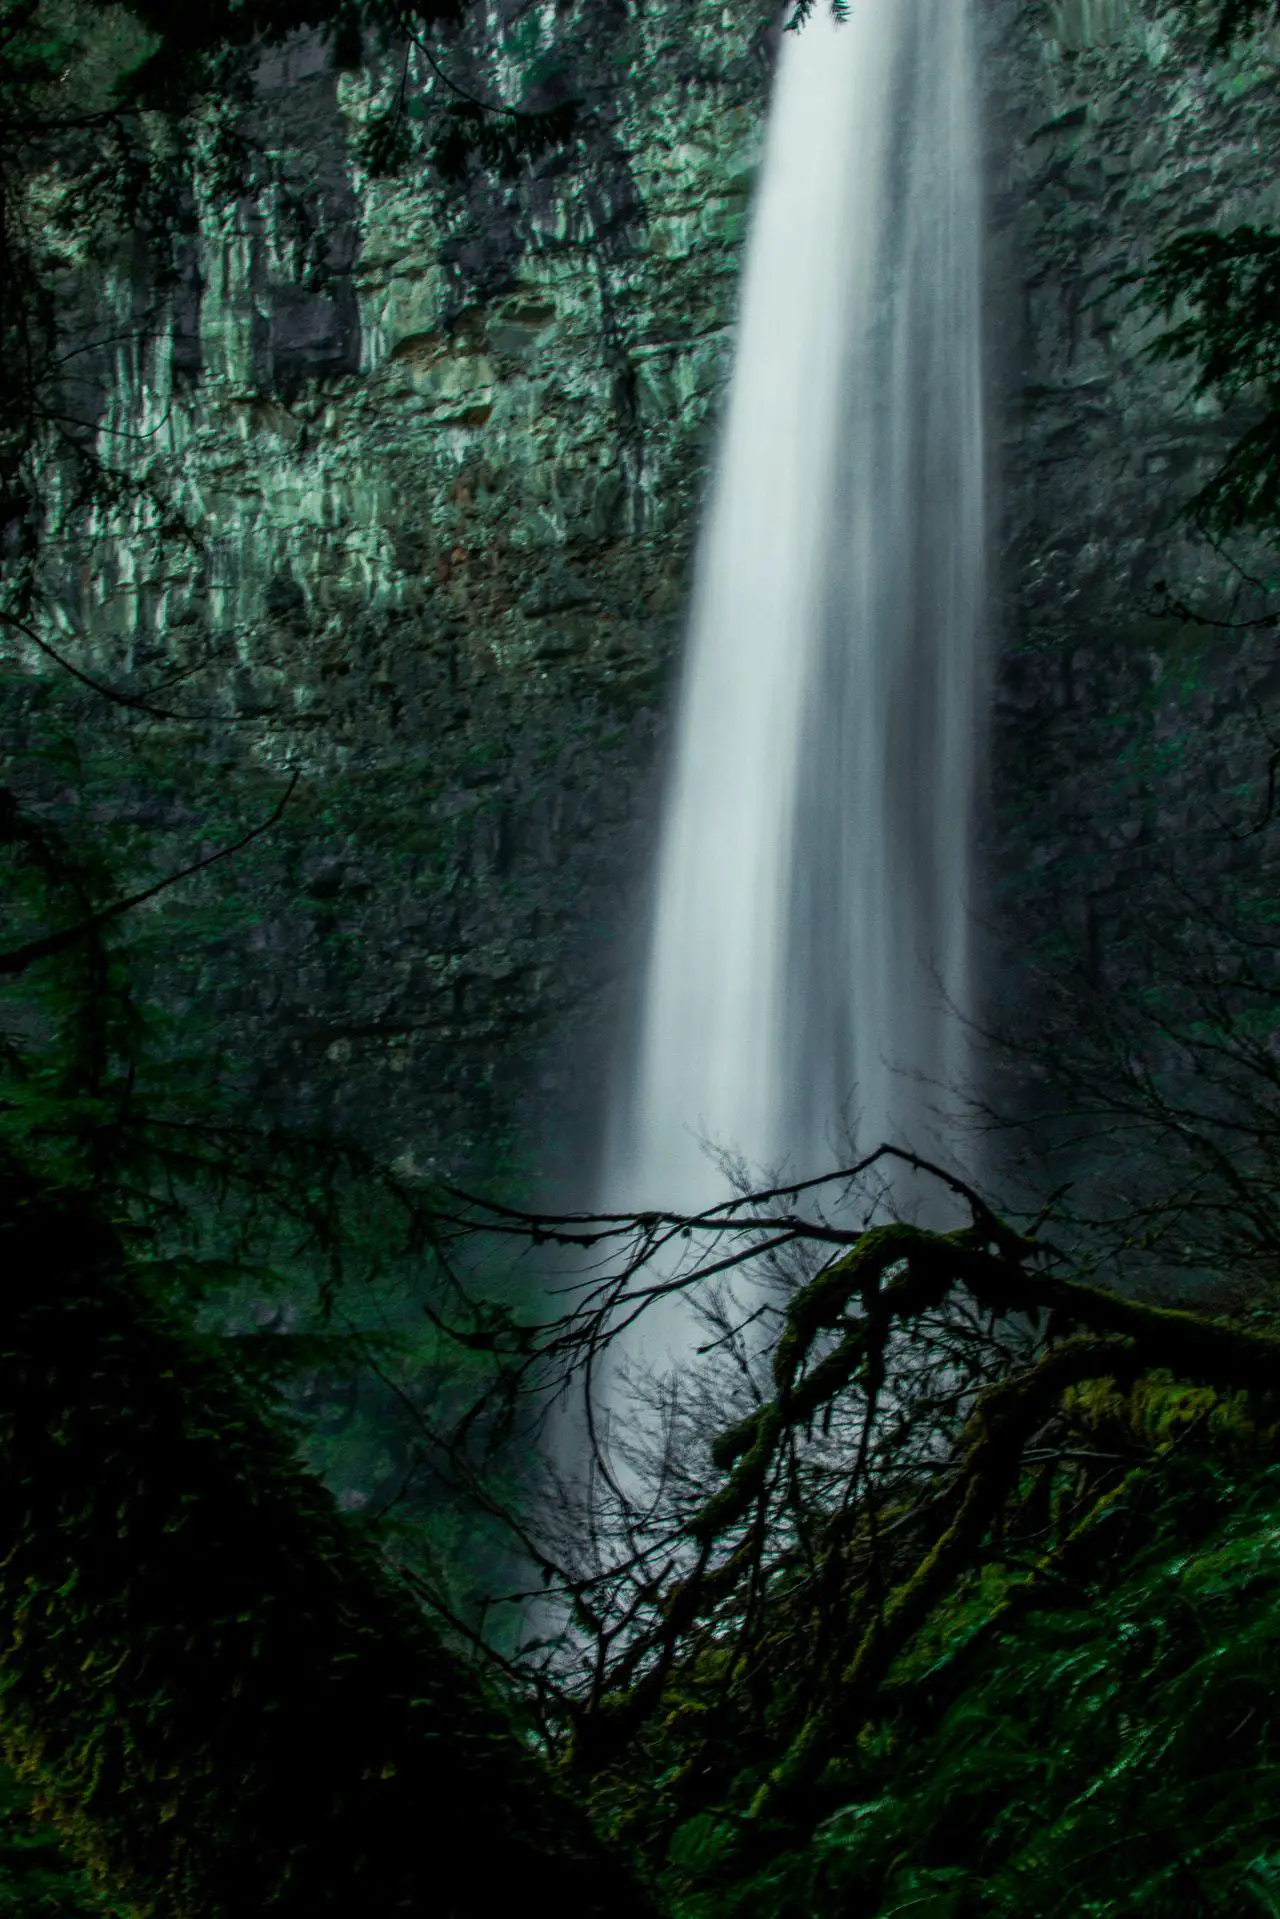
(808, 952)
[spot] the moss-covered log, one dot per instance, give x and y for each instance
(835, 1346)
(225, 1701)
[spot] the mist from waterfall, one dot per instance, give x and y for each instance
(810, 908)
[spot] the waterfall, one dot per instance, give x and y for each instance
(808, 948)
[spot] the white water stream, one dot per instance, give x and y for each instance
(810, 909)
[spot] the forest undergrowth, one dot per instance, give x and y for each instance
(957, 1595)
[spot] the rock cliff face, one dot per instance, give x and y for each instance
(443, 449)
(1131, 735)
(1109, 133)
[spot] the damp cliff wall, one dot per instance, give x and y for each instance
(443, 449)
(1121, 722)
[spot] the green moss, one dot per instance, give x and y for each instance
(37, 1880)
(1114, 1752)
(223, 1699)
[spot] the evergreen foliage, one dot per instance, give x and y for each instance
(1224, 289)
(37, 1880)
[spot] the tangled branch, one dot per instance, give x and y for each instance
(828, 1483)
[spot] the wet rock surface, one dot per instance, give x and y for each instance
(444, 448)
(1128, 736)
